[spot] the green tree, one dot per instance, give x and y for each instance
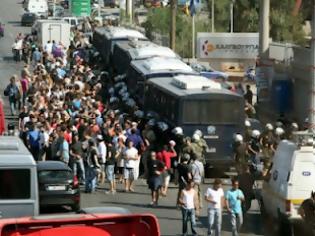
(158, 21)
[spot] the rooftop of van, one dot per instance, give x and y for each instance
(139, 50)
(162, 65)
(13, 152)
(119, 32)
(186, 85)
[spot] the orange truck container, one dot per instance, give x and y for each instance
(82, 225)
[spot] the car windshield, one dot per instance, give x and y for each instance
(54, 175)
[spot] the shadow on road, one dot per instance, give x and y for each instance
(252, 223)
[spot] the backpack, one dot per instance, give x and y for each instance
(34, 138)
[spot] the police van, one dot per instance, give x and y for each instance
(194, 102)
(18, 176)
(127, 51)
(290, 179)
(140, 71)
(105, 38)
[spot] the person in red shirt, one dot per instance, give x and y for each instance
(166, 155)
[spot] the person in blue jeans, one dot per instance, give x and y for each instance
(215, 198)
(91, 170)
(189, 202)
(233, 200)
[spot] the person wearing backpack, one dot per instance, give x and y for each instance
(33, 141)
(12, 91)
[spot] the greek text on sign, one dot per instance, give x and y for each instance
(228, 45)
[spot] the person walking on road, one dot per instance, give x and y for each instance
(188, 202)
(13, 92)
(197, 172)
(131, 158)
(249, 95)
(215, 198)
(234, 198)
(155, 168)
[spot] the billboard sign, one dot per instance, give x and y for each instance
(81, 7)
(227, 45)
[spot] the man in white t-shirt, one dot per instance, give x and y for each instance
(215, 198)
(131, 157)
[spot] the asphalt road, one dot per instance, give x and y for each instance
(10, 15)
(169, 217)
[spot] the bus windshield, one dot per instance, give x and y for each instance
(212, 111)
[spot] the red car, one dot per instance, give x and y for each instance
(100, 224)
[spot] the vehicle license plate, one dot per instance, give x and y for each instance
(56, 188)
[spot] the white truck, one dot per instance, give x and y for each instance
(290, 180)
(49, 30)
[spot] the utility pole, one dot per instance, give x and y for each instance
(232, 15)
(212, 16)
(264, 28)
(312, 108)
(129, 11)
(173, 24)
(193, 36)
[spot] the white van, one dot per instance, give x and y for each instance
(18, 178)
(38, 7)
(290, 180)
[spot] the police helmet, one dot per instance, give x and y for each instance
(113, 99)
(269, 127)
(111, 90)
(151, 122)
(279, 131)
(199, 132)
(247, 123)
(294, 126)
(130, 102)
(139, 114)
(279, 124)
(178, 131)
(255, 133)
(196, 137)
(162, 126)
(238, 138)
(152, 115)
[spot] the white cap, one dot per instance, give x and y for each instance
(247, 123)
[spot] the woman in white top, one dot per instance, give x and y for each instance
(189, 202)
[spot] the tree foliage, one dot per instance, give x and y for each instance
(283, 26)
(159, 21)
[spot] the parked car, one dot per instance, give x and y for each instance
(209, 72)
(57, 185)
(28, 19)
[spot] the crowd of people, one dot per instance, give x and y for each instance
(71, 111)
